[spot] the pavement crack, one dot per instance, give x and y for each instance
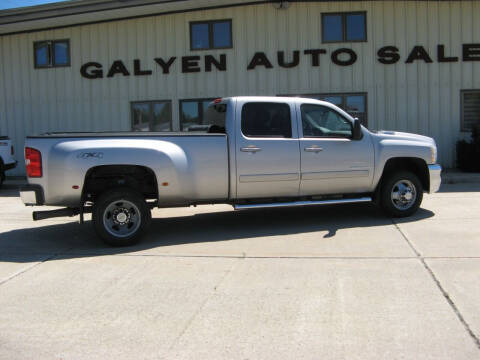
(244, 256)
(444, 293)
(28, 268)
(452, 304)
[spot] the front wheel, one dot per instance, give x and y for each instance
(121, 216)
(401, 194)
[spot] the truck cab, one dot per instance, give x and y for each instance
(299, 148)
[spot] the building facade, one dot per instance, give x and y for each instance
(153, 66)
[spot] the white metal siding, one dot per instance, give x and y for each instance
(421, 98)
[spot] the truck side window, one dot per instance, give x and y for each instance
(321, 121)
(262, 119)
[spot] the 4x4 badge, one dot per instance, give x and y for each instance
(88, 155)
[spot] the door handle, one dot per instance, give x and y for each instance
(314, 149)
(252, 149)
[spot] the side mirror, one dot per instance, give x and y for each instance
(357, 129)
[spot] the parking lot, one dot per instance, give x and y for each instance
(333, 282)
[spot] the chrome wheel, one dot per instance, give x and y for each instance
(121, 218)
(404, 194)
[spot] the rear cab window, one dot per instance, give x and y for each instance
(264, 119)
(215, 118)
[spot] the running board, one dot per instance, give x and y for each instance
(302, 203)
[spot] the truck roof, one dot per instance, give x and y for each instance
(276, 99)
(291, 99)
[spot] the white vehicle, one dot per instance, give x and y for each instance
(7, 161)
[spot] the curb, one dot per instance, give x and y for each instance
(461, 178)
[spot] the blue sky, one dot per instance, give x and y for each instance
(10, 4)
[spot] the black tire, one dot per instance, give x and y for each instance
(391, 199)
(121, 204)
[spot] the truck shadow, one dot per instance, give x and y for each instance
(8, 190)
(72, 240)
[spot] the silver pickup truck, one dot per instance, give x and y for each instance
(258, 152)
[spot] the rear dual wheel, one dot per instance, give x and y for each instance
(121, 216)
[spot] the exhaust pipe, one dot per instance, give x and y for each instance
(42, 215)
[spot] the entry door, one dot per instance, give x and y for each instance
(331, 162)
(267, 150)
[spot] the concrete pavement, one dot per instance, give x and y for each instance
(339, 282)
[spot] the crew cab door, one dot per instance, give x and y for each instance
(267, 151)
(331, 161)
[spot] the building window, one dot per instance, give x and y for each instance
(205, 35)
(192, 115)
(55, 53)
(344, 27)
(353, 103)
(470, 115)
(261, 119)
(152, 115)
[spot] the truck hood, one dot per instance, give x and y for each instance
(396, 135)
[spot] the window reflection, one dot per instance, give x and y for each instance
(41, 55)
(51, 53)
(355, 27)
(344, 27)
(353, 104)
(215, 34)
(332, 28)
(221, 35)
(152, 116)
(192, 115)
(61, 53)
(200, 37)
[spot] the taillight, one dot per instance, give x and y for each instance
(33, 162)
(12, 151)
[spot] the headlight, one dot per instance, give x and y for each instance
(433, 155)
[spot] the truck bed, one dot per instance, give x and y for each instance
(193, 166)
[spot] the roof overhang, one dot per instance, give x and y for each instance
(78, 12)
(81, 12)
